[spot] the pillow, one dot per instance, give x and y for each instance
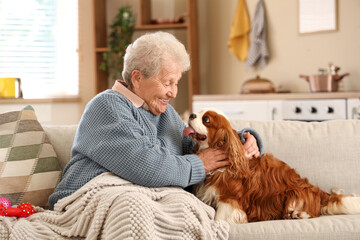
(29, 168)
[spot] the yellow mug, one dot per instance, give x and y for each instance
(10, 88)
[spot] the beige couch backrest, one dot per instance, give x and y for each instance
(327, 153)
(62, 138)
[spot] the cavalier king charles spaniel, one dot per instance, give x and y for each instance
(257, 189)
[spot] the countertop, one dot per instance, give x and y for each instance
(278, 96)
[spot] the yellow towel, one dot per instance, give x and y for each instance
(239, 41)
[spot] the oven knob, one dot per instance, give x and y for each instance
(330, 110)
(297, 110)
(313, 110)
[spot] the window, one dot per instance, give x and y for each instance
(38, 44)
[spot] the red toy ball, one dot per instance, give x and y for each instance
(5, 202)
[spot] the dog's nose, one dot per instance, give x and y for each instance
(192, 116)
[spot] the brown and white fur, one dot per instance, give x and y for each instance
(258, 189)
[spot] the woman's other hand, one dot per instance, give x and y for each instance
(250, 146)
(213, 159)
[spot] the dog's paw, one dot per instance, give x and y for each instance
(297, 215)
(337, 191)
(229, 214)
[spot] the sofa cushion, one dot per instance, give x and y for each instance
(324, 227)
(29, 168)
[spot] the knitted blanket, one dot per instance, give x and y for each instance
(109, 207)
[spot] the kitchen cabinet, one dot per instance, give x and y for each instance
(255, 110)
(353, 108)
(290, 106)
(144, 13)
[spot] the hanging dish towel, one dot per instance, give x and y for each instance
(258, 53)
(239, 36)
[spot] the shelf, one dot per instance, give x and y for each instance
(64, 99)
(101, 50)
(144, 24)
(149, 27)
(160, 26)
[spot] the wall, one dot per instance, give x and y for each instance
(220, 72)
(291, 54)
(86, 54)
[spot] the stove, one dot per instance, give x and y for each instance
(313, 110)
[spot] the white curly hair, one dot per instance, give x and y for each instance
(149, 54)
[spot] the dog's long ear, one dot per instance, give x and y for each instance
(228, 140)
(220, 138)
(196, 148)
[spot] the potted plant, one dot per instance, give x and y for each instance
(122, 29)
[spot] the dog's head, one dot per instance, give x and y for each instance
(211, 128)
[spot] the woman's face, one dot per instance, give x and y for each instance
(158, 90)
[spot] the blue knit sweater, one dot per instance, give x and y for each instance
(115, 136)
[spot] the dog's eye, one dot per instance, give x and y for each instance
(206, 119)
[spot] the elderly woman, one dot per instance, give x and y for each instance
(133, 132)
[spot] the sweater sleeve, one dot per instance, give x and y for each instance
(113, 135)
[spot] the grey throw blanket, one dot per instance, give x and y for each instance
(258, 52)
(109, 207)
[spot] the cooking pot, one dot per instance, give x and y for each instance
(324, 83)
(258, 85)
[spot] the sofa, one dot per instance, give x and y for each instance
(327, 153)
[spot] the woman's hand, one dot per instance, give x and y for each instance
(250, 146)
(213, 159)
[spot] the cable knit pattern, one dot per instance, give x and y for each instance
(109, 207)
(148, 150)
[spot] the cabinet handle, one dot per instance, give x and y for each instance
(355, 113)
(273, 113)
(235, 111)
